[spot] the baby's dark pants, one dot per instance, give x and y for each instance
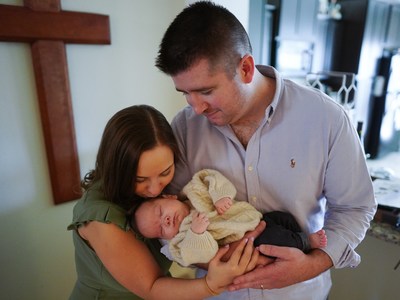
(282, 230)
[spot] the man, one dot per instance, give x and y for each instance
(284, 146)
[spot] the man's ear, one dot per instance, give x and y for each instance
(247, 68)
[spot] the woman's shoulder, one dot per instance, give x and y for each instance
(94, 207)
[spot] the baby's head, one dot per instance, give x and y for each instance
(160, 217)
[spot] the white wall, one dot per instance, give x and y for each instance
(36, 260)
(240, 8)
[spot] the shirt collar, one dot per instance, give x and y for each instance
(271, 72)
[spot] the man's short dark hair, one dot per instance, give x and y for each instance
(203, 30)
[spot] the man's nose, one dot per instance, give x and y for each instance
(198, 105)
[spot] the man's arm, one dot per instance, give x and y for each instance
(275, 275)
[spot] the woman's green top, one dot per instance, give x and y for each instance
(94, 281)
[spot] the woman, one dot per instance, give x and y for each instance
(136, 160)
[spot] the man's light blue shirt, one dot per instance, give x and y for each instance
(305, 158)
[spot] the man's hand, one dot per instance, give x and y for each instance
(223, 204)
(200, 222)
(290, 266)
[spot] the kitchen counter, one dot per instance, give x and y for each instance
(385, 232)
(382, 227)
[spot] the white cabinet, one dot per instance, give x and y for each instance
(298, 20)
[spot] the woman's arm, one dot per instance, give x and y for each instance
(132, 264)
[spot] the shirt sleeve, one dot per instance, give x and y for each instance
(351, 203)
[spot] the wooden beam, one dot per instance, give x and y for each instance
(21, 24)
(49, 63)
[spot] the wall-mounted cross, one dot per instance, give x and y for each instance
(47, 28)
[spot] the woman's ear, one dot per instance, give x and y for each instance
(247, 68)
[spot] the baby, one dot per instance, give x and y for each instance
(211, 218)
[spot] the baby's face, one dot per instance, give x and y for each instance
(161, 217)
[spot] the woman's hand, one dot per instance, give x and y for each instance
(249, 235)
(221, 273)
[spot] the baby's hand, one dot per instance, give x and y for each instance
(223, 204)
(200, 222)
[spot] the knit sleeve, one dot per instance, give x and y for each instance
(219, 186)
(194, 248)
(207, 187)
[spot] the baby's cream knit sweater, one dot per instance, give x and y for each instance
(207, 187)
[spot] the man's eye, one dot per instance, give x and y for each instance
(207, 92)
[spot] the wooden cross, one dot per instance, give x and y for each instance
(43, 24)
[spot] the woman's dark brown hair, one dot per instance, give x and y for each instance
(129, 133)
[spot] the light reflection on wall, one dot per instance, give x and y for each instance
(390, 129)
(371, 51)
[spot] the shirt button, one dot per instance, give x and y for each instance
(250, 168)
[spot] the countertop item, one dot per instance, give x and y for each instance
(383, 227)
(386, 225)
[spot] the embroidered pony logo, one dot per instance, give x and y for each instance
(292, 163)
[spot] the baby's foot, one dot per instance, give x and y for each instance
(318, 239)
